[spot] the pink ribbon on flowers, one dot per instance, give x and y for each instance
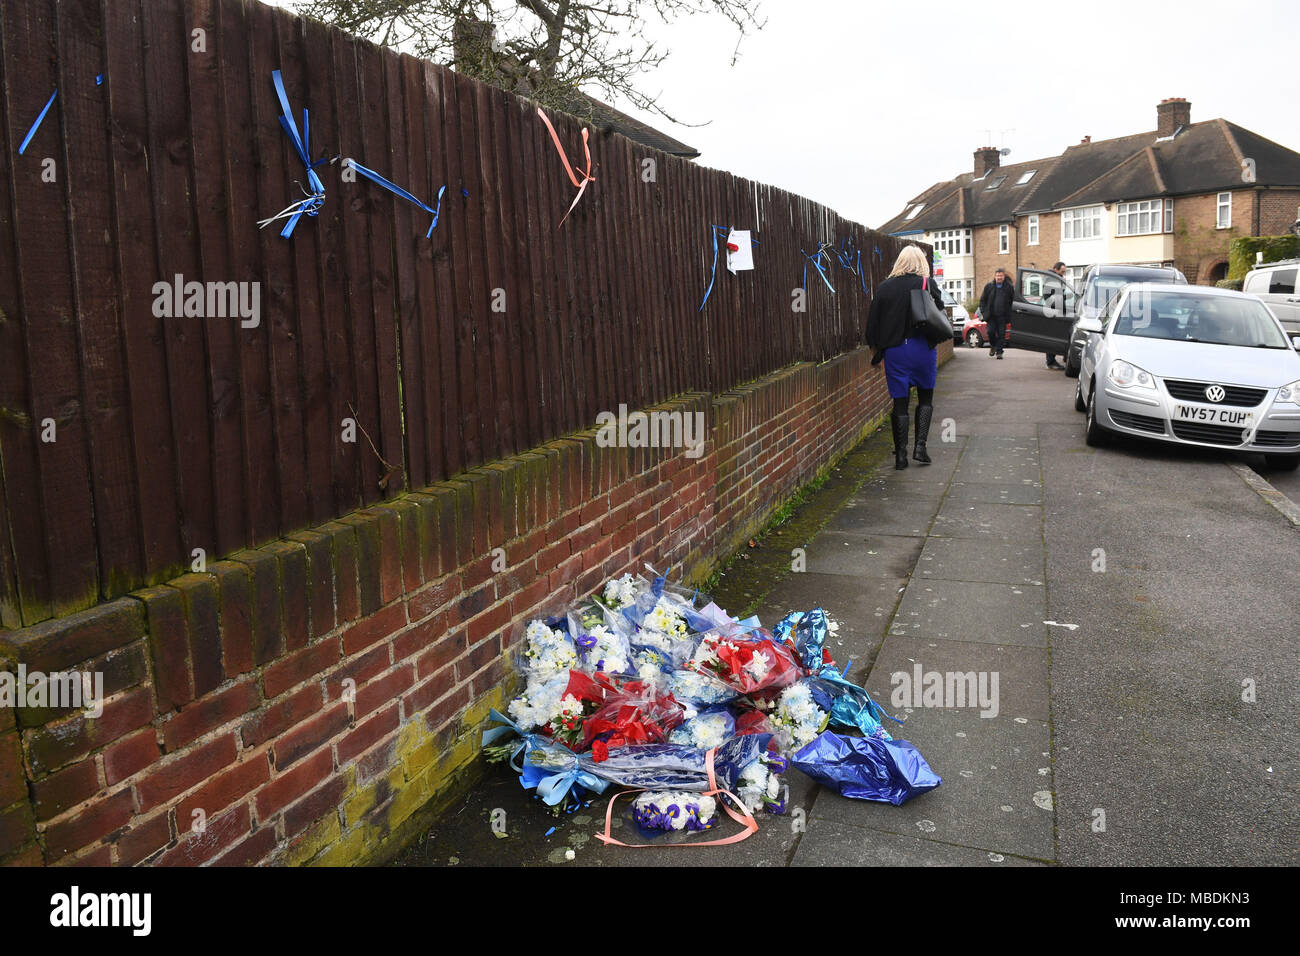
(568, 168)
(744, 817)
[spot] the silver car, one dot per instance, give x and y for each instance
(1194, 366)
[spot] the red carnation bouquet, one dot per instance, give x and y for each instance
(747, 664)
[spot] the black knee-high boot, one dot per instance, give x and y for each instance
(923, 415)
(900, 440)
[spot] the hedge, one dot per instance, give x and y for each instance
(1241, 252)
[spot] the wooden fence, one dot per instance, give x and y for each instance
(127, 440)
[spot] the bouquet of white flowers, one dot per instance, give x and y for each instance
(797, 719)
(675, 810)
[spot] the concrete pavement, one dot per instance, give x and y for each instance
(1137, 606)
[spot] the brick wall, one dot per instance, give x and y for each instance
(984, 242)
(1198, 243)
(1278, 211)
(301, 702)
(1048, 250)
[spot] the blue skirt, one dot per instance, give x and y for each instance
(912, 363)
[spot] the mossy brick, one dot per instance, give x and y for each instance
(444, 499)
(57, 745)
(446, 709)
(66, 642)
(318, 547)
(119, 670)
(358, 670)
(13, 779)
(196, 847)
(172, 777)
(368, 733)
(144, 839)
(198, 718)
(130, 755)
(201, 599)
(250, 851)
(300, 666)
(326, 832)
(347, 587)
(378, 626)
(425, 519)
(390, 552)
(480, 520)
(315, 805)
(508, 472)
(268, 634)
(408, 517)
(368, 563)
(288, 786)
(61, 791)
(235, 588)
(310, 735)
(92, 823)
(273, 720)
(291, 561)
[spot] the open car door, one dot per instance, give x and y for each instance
(1042, 317)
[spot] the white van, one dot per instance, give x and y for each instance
(1274, 283)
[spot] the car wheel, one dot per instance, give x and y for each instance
(1094, 434)
(1282, 462)
(1071, 369)
(1079, 404)
(974, 340)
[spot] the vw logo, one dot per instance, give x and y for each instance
(1215, 393)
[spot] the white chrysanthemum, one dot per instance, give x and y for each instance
(663, 619)
(758, 666)
(547, 652)
(757, 783)
(621, 592)
(797, 719)
(608, 654)
(540, 703)
(704, 731)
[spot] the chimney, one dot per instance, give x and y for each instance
(1171, 115)
(1085, 141)
(986, 158)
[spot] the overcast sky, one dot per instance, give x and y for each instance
(861, 104)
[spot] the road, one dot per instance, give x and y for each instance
(1136, 604)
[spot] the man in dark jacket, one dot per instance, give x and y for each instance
(995, 309)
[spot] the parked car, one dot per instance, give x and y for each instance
(1044, 311)
(1102, 283)
(975, 332)
(1194, 366)
(957, 314)
(1274, 283)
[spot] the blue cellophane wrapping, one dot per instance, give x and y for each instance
(867, 768)
(658, 766)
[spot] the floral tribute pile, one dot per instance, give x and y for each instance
(651, 687)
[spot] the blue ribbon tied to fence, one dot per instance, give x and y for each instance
(37, 125)
(315, 189)
(400, 192)
(817, 264)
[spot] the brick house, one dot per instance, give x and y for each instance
(1176, 195)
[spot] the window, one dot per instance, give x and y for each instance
(951, 242)
(1224, 211)
(1138, 218)
(915, 209)
(960, 289)
(1074, 275)
(1169, 215)
(996, 183)
(1081, 223)
(1025, 177)
(1033, 231)
(1004, 239)
(1282, 282)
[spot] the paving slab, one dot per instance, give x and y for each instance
(996, 792)
(966, 559)
(981, 520)
(995, 493)
(907, 516)
(863, 555)
(838, 844)
(973, 611)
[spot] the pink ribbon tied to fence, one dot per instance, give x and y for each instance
(581, 184)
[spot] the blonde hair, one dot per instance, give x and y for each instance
(911, 260)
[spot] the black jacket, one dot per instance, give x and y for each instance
(995, 303)
(890, 318)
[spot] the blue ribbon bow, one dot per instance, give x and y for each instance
(554, 787)
(526, 740)
(310, 206)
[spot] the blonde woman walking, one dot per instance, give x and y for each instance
(910, 361)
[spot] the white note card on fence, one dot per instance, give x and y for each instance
(742, 257)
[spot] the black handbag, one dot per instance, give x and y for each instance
(927, 318)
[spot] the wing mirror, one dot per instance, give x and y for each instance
(1295, 342)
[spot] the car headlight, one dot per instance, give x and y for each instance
(1126, 375)
(1289, 393)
